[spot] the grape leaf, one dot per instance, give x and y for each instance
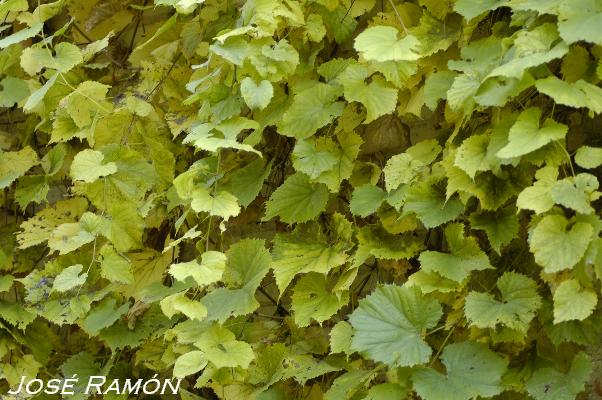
(472, 370)
(557, 248)
(571, 301)
(516, 308)
(389, 323)
(297, 200)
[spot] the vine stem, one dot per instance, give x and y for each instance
(399, 17)
(453, 328)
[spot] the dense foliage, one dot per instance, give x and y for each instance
(290, 199)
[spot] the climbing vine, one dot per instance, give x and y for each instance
(290, 199)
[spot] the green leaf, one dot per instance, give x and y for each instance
(88, 166)
(297, 200)
(247, 264)
(377, 242)
(516, 308)
(256, 96)
(340, 337)
(578, 94)
(558, 246)
(304, 250)
(221, 204)
(114, 267)
(473, 8)
(472, 370)
(246, 183)
(312, 299)
(501, 226)
(313, 157)
(427, 200)
(389, 323)
(15, 164)
(69, 237)
(526, 135)
(580, 20)
(31, 189)
(67, 56)
(189, 363)
(436, 86)
(550, 384)
(478, 153)
(573, 302)
(12, 90)
(465, 256)
(223, 350)
(381, 43)
(103, 315)
(588, 157)
(311, 109)
(378, 98)
(366, 199)
(576, 192)
(538, 197)
(21, 35)
(531, 48)
(180, 303)
(401, 169)
(349, 149)
(208, 271)
(212, 137)
(69, 278)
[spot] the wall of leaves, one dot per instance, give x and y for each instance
(303, 199)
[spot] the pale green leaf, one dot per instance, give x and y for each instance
(257, 96)
(297, 200)
(428, 201)
(580, 20)
(69, 237)
(537, 197)
(526, 135)
(21, 35)
(206, 272)
(576, 192)
(223, 350)
(550, 384)
(312, 300)
(88, 166)
(589, 157)
(315, 156)
(578, 94)
(69, 278)
(573, 302)
(389, 323)
(557, 248)
(103, 315)
(340, 337)
(304, 250)
(378, 98)
(473, 8)
(67, 56)
(311, 109)
(515, 309)
(464, 257)
(381, 43)
(189, 363)
(401, 169)
(501, 226)
(15, 164)
(115, 267)
(366, 199)
(221, 204)
(472, 371)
